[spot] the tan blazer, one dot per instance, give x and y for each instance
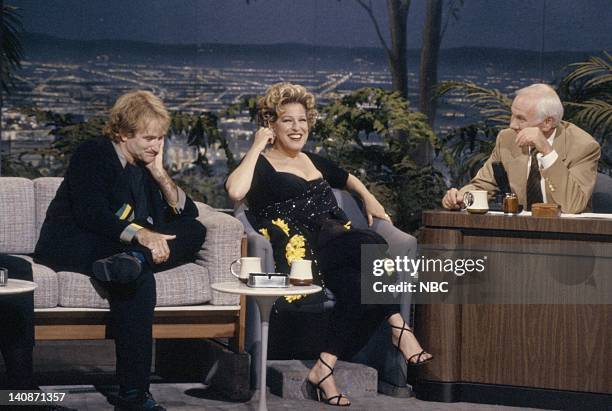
(569, 181)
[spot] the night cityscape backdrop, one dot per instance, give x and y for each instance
(202, 56)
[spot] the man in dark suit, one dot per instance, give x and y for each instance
(17, 334)
(17, 327)
(546, 159)
(119, 217)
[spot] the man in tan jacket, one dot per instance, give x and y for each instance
(564, 166)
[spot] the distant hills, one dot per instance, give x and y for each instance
(41, 47)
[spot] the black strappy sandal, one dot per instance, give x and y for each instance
(418, 355)
(320, 393)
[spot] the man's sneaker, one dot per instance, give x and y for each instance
(137, 401)
(119, 268)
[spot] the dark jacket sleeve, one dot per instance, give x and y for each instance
(91, 178)
(335, 176)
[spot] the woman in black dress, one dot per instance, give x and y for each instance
(289, 193)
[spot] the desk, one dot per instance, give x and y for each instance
(264, 297)
(15, 286)
(548, 356)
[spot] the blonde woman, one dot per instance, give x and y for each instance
(289, 191)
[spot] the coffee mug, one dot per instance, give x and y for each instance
(301, 272)
(247, 265)
(476, 201)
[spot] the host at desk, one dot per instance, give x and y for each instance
(547, 160)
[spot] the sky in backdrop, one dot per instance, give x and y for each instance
(546, 25)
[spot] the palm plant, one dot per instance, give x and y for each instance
(465, 149)
(11, 54)
(11, 51)
(586, 93)
(372, 133)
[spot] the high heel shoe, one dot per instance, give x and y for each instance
(418, 355)
(320, 393)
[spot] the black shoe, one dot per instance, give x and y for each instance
(119, 268)
(416, 359)
(319, 393)
(136, 400)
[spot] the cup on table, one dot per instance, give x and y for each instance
(511, 205)
(3, 276)
(301, 272)
(247, 265)
(476, 201)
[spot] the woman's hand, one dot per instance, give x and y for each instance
(373, 208)
(239, 181)
(263, 137)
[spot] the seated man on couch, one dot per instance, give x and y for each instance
(17, 328)
(118, 217)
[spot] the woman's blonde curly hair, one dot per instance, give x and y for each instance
(131, 113)
(279, 94)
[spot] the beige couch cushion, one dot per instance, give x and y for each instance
(16, 216)
(44, 192)
(47, 290)
(184, 285)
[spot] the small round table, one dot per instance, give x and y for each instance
(264, 297)
(15, 286)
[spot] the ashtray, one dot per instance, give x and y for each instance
(268, 280)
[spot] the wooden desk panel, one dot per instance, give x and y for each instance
(559, 347)
(463, 220)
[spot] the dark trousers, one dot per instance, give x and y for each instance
(131, 305)
(351, 324)
(17, 327)
(344, 330)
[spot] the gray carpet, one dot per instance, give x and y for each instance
(190, 396)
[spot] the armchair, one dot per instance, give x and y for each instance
(388, 362)
(602, 194)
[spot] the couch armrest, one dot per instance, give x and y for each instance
(400, 243)
(257, 245)
(221, 247)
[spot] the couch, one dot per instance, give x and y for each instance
(67, 306)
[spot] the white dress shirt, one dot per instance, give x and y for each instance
(544, 162)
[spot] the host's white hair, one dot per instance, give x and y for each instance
(548, 102)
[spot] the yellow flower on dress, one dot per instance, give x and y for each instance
(347, 226)
(295, 248)
(292, 298)
(264, 232)
(282, 225)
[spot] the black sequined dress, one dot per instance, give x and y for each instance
(302, 220)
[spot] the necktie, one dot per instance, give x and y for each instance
(139, 195)
(534, 189)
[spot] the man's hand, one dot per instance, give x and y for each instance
(158, 163)
(161, 177)
(533, 137)
(156, 242)
(451, 200)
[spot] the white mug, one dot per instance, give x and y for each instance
(301, 272)
(476, 201)
(247, 265)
